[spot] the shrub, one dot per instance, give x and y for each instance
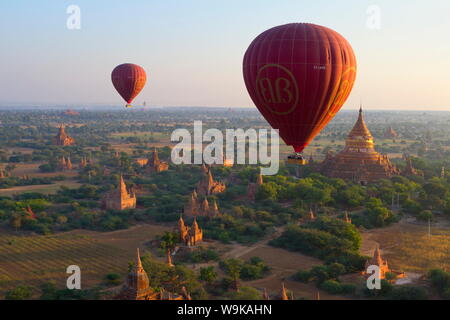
(208, 274)
(245, 293)
(331, 286)
(19, 293)
(408, 293)
(441, 281)
(203, 255)
(425, 215)
(303, 276)
(113, 278)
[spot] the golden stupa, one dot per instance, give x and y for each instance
(359, 161)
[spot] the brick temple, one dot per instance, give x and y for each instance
(154, 164)
(137, 286)
(119, 199)
(359, 161)
(62, 138)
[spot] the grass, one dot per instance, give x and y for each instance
(410, 248)
(44, 189)
(141, 134)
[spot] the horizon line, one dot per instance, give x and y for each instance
(110, 106)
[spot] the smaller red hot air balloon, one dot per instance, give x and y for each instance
(128, 79)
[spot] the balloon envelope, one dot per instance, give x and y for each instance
(299, 75)
(128, 79)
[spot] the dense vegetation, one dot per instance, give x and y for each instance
(115, 140)
(326, 238)
(281, 200)
(440, 280)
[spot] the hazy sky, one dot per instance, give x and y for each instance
(192, 50)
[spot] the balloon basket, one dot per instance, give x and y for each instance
(128, 106)
(297, 159)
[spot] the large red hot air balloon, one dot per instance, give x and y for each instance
(299, 75)
(128, 79)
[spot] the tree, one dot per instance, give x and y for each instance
(336, 269)
(331, 286)
(208, 274)
(408, 293)
(61, 219)
(267, 191)
(440, 280)
(169, 240)
(245, 293)
(425, 215)
(320, 274)
(351, 196)
(16, 221)
(112, 278)
(19, 293)
(232, 267)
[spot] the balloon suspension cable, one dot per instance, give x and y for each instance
(297, 155)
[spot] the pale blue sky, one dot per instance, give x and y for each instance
(192, 49)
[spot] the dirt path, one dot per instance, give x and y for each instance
(241, 250)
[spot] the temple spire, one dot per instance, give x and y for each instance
(283, 295)
(186, 294)
(210, 178)
(205, 207)
(215, 209)
(347, 217)
(195, 227)
(259, 180)
(377, 256)
(265, 295)
(311, 214)
(138, 261)
(360, 128)
(155, 157)
(169, 258)
(122, 186)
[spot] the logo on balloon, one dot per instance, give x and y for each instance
(277, 89)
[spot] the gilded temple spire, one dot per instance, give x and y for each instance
(359, 161)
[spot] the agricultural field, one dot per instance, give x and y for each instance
(410, 248)
(32, 170)
(33, 259)
(44, 188)
(158, 136)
